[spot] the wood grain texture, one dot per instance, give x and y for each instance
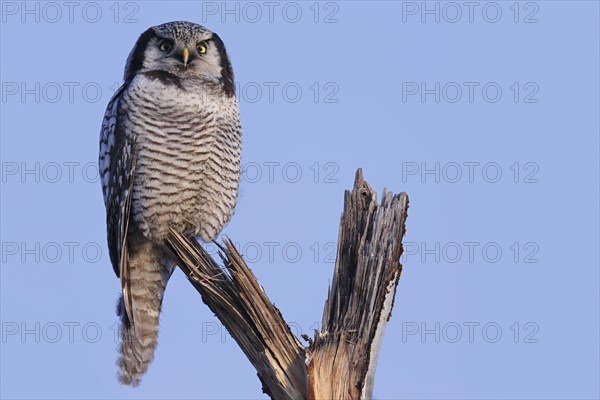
(242, 306)
(360, 300)
(340, 361)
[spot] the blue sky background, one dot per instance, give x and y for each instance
(499, 296)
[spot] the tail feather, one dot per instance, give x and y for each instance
(148, 276)
(138, 343)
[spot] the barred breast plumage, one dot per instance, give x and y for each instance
(188, 148)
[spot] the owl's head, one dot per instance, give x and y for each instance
(183, 49)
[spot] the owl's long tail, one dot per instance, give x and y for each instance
(148, 277)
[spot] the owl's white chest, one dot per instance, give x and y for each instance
(187, 150)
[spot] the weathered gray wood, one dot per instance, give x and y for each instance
(340, 361)
(241, 305)
(360, 301)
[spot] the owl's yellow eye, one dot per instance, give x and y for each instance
(166, 46)
(201, 47)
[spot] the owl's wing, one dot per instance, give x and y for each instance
(117, 169)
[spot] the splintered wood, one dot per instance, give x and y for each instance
(341, 359)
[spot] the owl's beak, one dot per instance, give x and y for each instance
(186, 56)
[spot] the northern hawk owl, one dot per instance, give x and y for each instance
(169, 157)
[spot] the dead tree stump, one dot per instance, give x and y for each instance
(340, 361)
